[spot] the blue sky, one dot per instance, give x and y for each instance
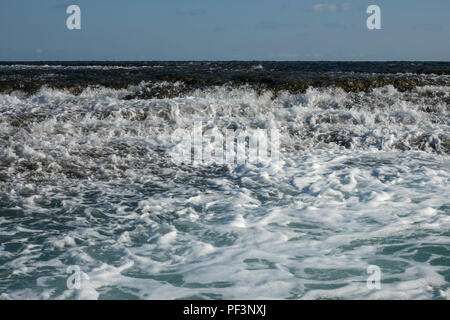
(224, 30)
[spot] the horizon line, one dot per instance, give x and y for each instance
(220, 60)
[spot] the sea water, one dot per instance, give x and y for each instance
(87, 180)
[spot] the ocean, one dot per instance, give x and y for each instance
(89, 186)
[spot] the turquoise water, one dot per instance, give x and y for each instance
(362, 179)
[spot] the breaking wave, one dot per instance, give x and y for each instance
(86, 179)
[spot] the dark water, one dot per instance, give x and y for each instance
(291, 76)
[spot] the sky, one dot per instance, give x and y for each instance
(285, 30)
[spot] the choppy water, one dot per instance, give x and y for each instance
(87, 179)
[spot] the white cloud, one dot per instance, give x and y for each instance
(324, 7)
(331, 7)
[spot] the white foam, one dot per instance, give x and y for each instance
(88, 180)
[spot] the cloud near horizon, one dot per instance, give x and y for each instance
(331, 7)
